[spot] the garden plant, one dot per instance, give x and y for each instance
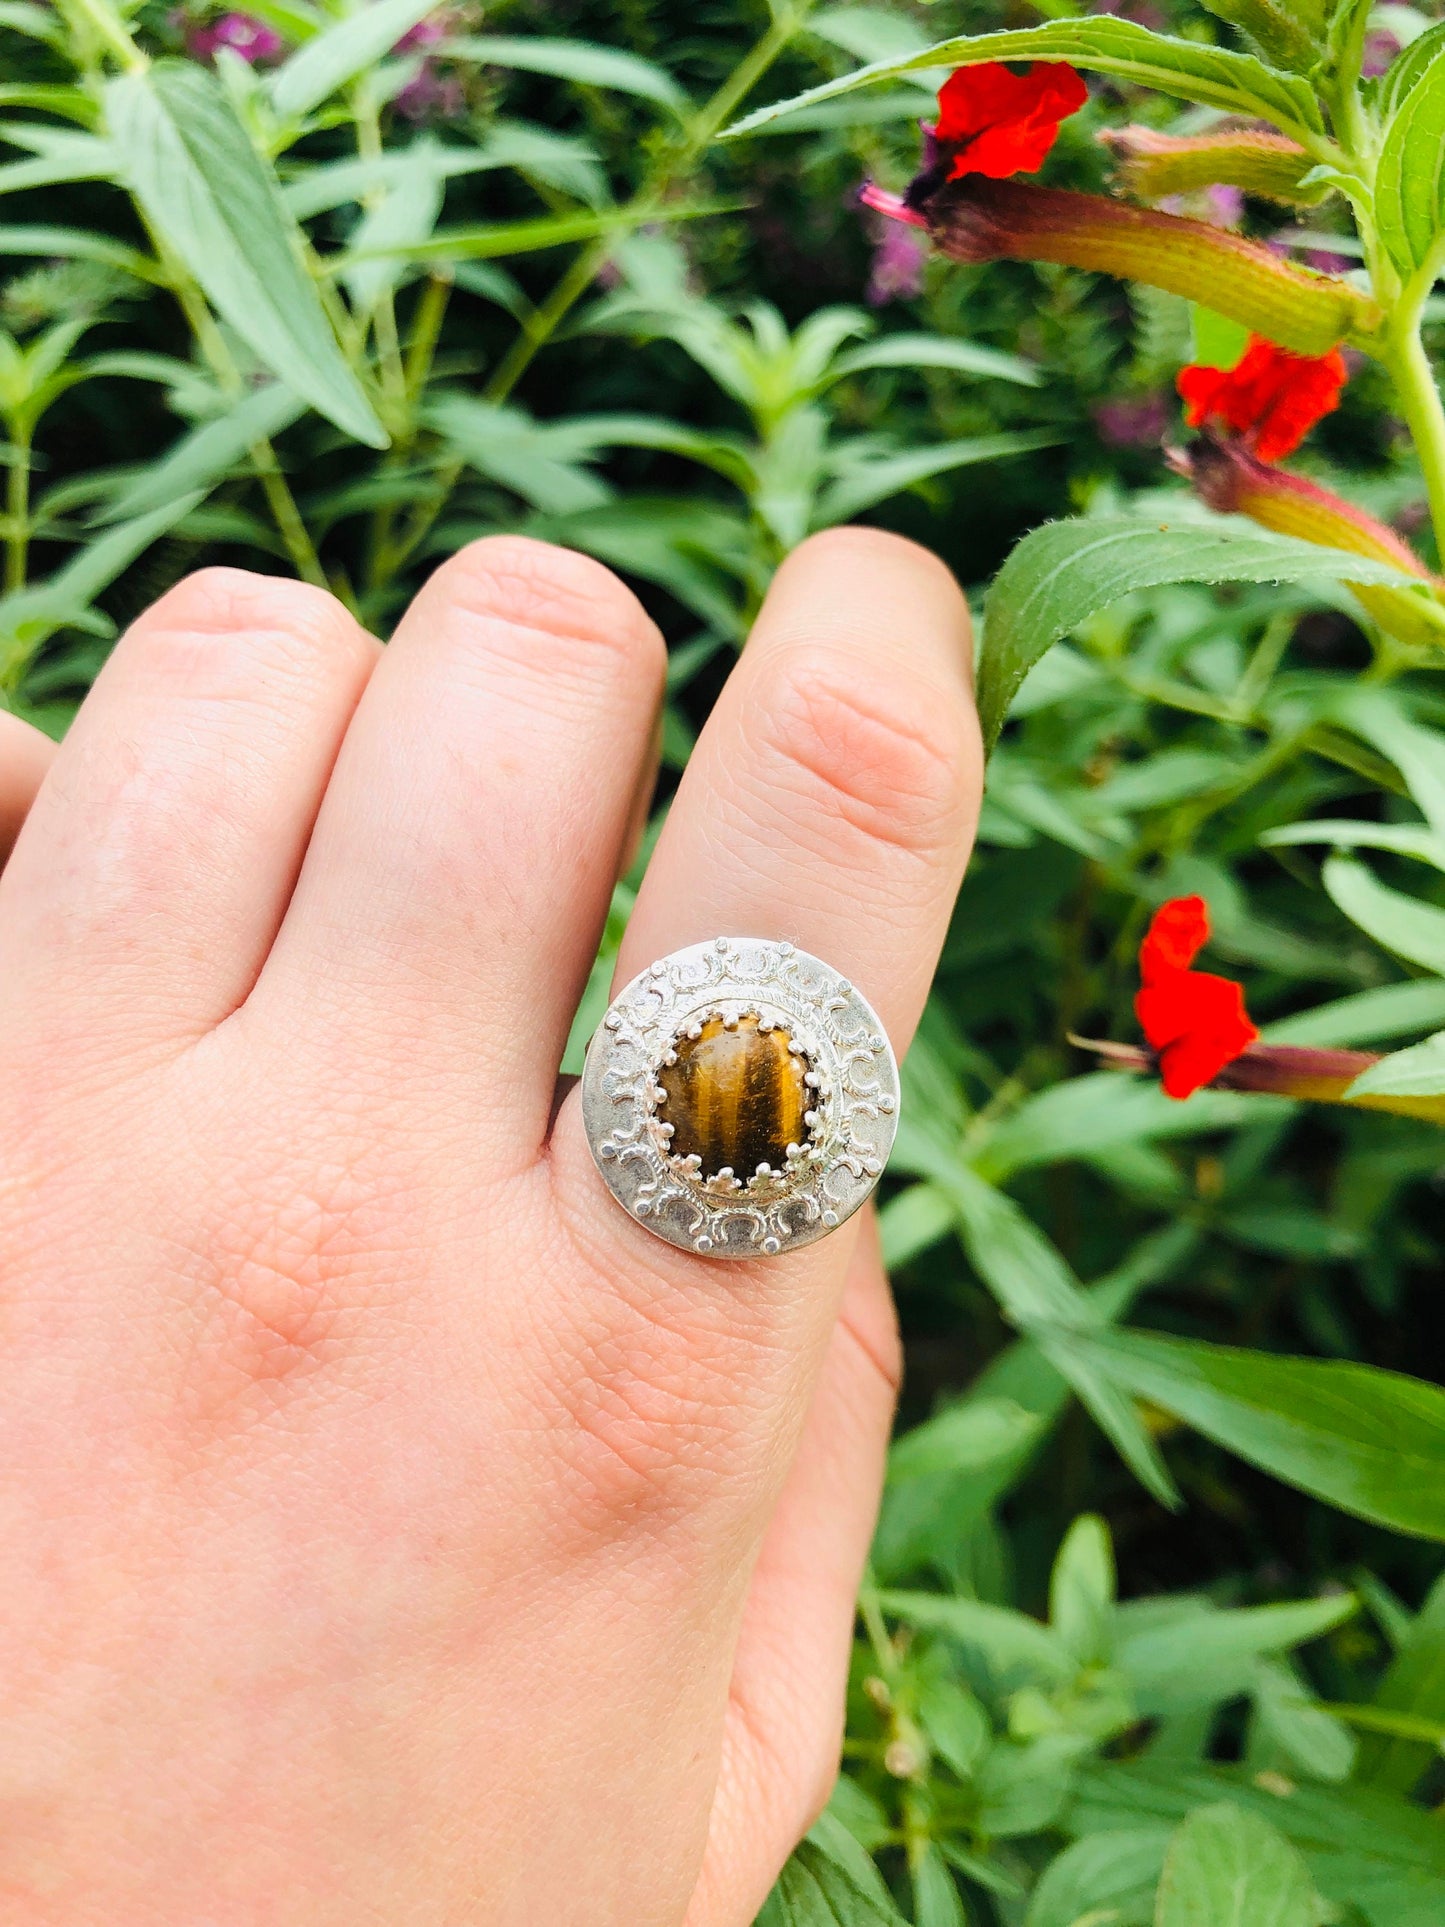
(1141, 334)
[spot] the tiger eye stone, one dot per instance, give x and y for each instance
(735, 1098)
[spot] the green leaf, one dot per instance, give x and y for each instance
(1364, 1847)
(1413, 930)
(339, 53)
(1408, 68)
(1287, 1720)
(1414, 1684)
(30, 615)
(935, 1898)
(866, 478)
(1114, 1412)
(1081, 1591)
(1009, 1641)
(79, 244)
(202, 186)
(209, 453)
(1201, 1655)
(1416, 1072)
(1400, 839)
(580, 60)
(937, 351)
(1188, 69)
(830, 1882)
(1061, 574)
(1370, 1017)
(1229, 1868)
(1410, 177)
(1026, 1273)
(955, 1722)
(961, 1439)
(1369, 1441)
(67, 157)
(485, 242)
(868, 33)
(1418, 753)
(1106, 1877)
(36, 23)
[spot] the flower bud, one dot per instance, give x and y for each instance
(980, 220)
(1152, 166)
(983, 220)
(1232, 481)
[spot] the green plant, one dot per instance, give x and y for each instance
(555, 303)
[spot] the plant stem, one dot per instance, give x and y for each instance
(110, 30)
(1424, 413)
(17, 510)
(279, 499)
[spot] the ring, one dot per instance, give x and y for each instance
(740, 1098)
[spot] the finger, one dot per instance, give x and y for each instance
(784, 1720)
(455, 889)
(158, 859)
(832, 795)
(831, 799)
(25, 756)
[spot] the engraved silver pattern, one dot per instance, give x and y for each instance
(852, 1079)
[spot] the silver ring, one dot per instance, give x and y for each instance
(740, 1098)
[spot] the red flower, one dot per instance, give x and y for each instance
(1271, 397)
(996, 122)
(1196, 1023)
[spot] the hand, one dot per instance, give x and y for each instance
(394, 1531)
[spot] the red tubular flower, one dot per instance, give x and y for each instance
(1270, 396)
(1196, 1022)
(993, 121)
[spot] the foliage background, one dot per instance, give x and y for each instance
(620, 388)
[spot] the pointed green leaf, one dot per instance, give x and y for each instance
(1412, 929)
(1410, 177)
(207, 454)
(1064, 572)
(339, 53)
(1188, 69)
(1369, 1441)
(1416, 1072)
(578, 60)
(204, 188)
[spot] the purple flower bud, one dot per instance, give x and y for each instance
(252, 39)
(1132, 421)
(1380, 49)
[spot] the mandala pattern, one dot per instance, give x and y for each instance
(850, 1074)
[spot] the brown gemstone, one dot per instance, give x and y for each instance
(735, 1098)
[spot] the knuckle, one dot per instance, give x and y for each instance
(536, 588)
(276, 1279)
(892, 763)
(220, 628)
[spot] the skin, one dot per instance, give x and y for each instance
(394, 1531)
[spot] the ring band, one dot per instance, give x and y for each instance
(740, 1098)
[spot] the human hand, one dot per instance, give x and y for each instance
(394, 1531)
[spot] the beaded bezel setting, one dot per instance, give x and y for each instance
(848, 1069)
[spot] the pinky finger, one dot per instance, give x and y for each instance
(784, 1727)
(25, 755)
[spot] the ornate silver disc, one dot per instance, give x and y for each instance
(740, 1032)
